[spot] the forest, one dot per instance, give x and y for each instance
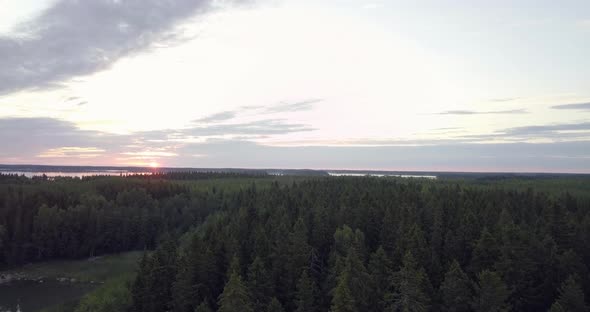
(251, 242)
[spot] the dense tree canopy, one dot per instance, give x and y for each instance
(313, 244)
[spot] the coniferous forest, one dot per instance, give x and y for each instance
(237, 242)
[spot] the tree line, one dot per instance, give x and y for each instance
(245, 243)
(57, 218)
(370, 244)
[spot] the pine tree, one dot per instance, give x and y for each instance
(485, 253)
(139, 288)
(275, 306)
(342, 300)
(203, 307)
(388, 233)
(456, 289)
(380, 271)
(409, 288)
(436, 244)
(259, 284)
(299, 247)
(162, 274)
(305, 297)
(557, 307)
(183, 290)
(235, 296)
(359, 280)
(491, 293)
(571, 297)
(415, 241)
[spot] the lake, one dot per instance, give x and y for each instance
(34, 296)
(355, 174)
(72, 174)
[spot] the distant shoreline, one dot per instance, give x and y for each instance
(80, 171)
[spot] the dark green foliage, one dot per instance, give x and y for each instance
(203, 307)
(456, 289)
(152, 289)
(275, 306)
(491, 293)
(139, 289)
(380, 269)
(343, 300)
(260, 284)
(353, 285)
(235, 296)
(112, 296)
(307, 291)
(571, 297)
(485, 253)
(410, 288)
(314, 244)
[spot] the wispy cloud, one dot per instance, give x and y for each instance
(546, 157)
(282, 107)
(223, 116)
(576, 106)
(72, 152)
(470, 112)
(48, 136)
(260, 127)
(54, 138)
(447, 128)
(291, 107)
(547, 129)
(75, 38)
(56, 141)
(547, 133)
(509, 99)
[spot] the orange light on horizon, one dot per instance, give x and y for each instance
(154, 164)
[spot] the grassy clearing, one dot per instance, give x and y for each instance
(113, 296)
(98, 269)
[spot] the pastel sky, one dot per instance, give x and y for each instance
(333, 84)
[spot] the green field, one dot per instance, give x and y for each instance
(95, 280)
(99, 269)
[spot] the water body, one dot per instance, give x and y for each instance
(34, 296)
(82, 172)
(71, 174)
(355, 174)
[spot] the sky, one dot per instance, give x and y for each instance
(426, 85)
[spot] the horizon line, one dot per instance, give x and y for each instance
(307, 169)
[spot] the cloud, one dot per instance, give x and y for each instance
(292, 107)
(282, 107)
(260, 127)
(72, 152)
(36, 136)
(244, 131)
(448, 128)
(469, 112)
(505, 99)
(546, 157)
(75, 38)
(49, 138)
(552, 133)
(54, 141)
(547, 129)
(577, 106)
(223, 116)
